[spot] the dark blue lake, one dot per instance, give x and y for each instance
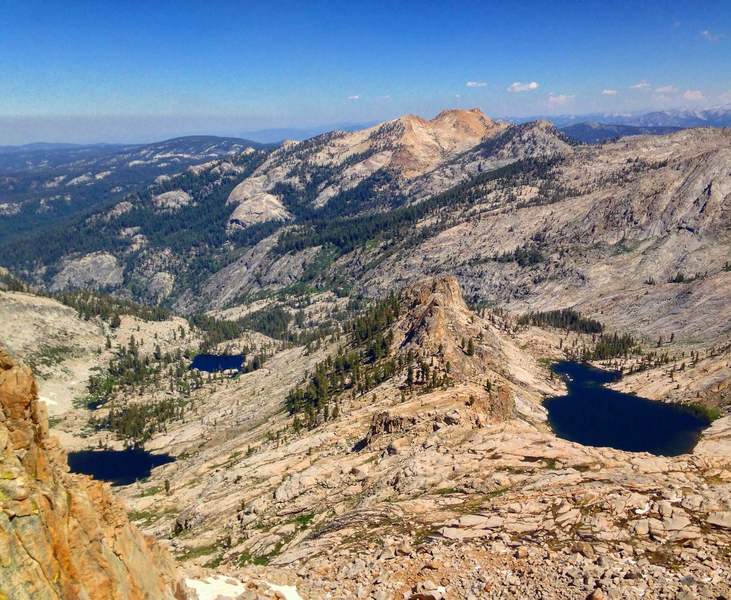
(119, 467)
(594, 415)
(213, 363)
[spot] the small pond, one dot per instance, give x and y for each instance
(213, 363)
(594, 415)
(119, 467)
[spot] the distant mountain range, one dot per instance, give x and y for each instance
(38, 146)
(588, 128)
(274, 135)
(43, 182)
(596, 133)
(719, 116)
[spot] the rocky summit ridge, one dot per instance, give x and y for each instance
(408, 147)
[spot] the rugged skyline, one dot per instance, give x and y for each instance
(106, 73)
(398, 298)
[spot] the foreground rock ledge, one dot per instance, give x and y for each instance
(61, 535)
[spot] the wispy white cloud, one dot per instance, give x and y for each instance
(560, 99)
(609, 92)
(354, 97)
(476, 84)
(523, 87)
(694, 95)
(458, 96)
(641, 85)
(709, 36)
(666, 89)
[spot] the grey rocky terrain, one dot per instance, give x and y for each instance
(455, 491)
(386, 436)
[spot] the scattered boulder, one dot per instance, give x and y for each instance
(720, 519)
(386, 423)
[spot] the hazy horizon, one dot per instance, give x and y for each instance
(99, 72)
(120, 129)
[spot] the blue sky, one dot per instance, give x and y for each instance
(124, 71)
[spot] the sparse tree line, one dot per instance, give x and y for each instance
(136, 423)
(607, 346)
(525, 255)
(366, 364)
(131, 371)
(89, 304)
(360, 369)
(345, 232)
(565, 318)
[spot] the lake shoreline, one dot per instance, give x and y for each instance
(593, 414)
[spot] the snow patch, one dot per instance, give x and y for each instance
(212, 588)
(220, 587)
(288, 591)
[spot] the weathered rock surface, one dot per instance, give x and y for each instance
(254, 269)
(63, 536)
(54, 341)
(99, 269)
(160, 286)
(171, 201)
(255, 208)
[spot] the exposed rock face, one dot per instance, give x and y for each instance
(171, 201)
(421, 145)
(256, 208)
(437, 323)
(254, 269)
(9, 208)
(118, 210)
(63, 536)
(160, 286)
(99, 269)
(385, 423)
(691, 196)
(408, 147)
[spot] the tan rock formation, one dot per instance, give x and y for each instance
(410, 147)
(63, 536)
